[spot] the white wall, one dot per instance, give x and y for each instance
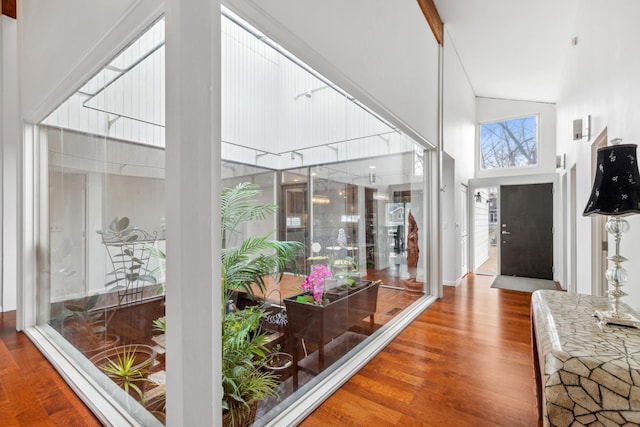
(490, 109)
(450, 270)
(600, 80)
(459, 115)
(361, 47)
(3, 59)
(10, 142)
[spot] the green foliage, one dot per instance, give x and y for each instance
(243, 354)
(86, 322)
(243, 342)
(239, 205)
(160, 324)
(123, 371)
(256, 257)
(161, 256)
(305, 299)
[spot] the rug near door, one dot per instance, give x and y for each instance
(523, 284)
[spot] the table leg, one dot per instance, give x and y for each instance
(295, 364)
(320, 356)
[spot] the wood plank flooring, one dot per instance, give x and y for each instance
(466, 361)
(31, 391)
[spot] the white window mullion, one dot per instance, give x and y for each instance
(193, 217)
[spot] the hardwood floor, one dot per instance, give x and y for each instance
(466, 361)
(31, 391)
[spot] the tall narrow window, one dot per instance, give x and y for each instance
(509, 143)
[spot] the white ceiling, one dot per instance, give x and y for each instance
(512, 49)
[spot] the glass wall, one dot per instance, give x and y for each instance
(340, 191)
(102, 198)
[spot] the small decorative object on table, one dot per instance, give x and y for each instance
(616, 193)
(342, 237)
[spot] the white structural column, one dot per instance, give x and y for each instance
(11, 140)
(2, 142)
(193, 212)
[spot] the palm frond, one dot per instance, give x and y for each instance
(239, 204)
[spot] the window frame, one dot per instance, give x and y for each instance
(479, 163)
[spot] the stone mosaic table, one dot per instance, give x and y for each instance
(586, 373)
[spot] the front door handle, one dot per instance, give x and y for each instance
(506, 232)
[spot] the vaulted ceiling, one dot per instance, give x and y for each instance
(511, 49)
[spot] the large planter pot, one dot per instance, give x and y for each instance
(242, 417)
(322, 323)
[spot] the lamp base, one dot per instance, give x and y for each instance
(623, 319)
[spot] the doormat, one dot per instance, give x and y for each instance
(523, 284)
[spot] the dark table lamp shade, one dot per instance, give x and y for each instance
(616, 187)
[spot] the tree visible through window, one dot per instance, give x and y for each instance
(509, 143)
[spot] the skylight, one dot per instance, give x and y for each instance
(272, 104)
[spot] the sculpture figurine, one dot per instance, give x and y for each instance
(413, 251)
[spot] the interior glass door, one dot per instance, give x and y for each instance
(294, 224)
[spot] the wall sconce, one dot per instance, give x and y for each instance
(582, 129)
(372, 178)
(478, 198)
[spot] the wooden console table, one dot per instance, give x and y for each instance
(585, 372)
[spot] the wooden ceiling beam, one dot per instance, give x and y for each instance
(433, 18)
(9, 8)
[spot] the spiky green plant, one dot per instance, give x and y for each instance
(124, 372)
(160, 324)
(256, 257)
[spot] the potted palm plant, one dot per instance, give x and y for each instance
(244, 382)
(256, 257)
(244, 352)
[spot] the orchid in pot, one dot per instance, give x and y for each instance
(315, 284)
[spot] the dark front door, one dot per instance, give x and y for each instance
(526, 230)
